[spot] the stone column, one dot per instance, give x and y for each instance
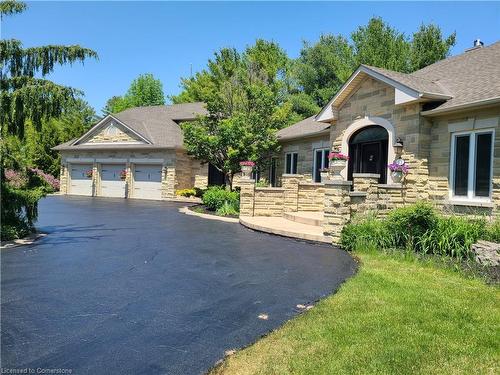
(290, 182)
(247, 197)
(63, 179)
(168, 182)
(367, 183)
(337, 208)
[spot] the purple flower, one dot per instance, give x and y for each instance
(48, 178)
(15, 179)
(394, 167)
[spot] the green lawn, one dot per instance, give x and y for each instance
(396, 316)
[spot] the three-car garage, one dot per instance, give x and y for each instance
(116, 178)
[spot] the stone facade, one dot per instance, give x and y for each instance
(114, 133)
(311, 196)
(178, 170)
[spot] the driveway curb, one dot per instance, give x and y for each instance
(187, 211)
(28, 240)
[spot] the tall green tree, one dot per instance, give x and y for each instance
(24, 95)
(428, 46)
(246, 101)
(144, 91)
(27, 99)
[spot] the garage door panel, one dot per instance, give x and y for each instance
(80, 183)
(111, 183)
(147, 181)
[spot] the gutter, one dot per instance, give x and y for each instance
(462, 107)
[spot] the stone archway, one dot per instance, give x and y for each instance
(373, 122)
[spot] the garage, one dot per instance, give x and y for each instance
(81, 179)
(112, 184)
(147, 181)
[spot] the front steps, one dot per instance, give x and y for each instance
(301, 225)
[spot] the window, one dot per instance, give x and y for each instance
(471, 164)
(320, 162)
(291, 163)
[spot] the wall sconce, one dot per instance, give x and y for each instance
(398, 147)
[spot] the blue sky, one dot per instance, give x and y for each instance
(164, 38)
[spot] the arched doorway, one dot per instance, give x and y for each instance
(368, 148)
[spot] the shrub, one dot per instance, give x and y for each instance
(452, 236)
(262, 183)
(47, 180)
(199, 192)
(366, 233)
(215, 197)
(410, 223)
(186, 192)
(227, 209)
(492, 231)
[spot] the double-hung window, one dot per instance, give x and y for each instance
(471, 164)
(320, 162)
(291, 162)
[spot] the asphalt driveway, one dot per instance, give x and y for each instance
(134, 287)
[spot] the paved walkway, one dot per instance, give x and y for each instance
(300, 225)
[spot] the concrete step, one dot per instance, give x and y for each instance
(305, 217)
(287, 228)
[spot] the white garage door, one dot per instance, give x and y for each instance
(111, 183)
(147, 181)
(80, 184)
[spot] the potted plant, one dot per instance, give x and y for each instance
(398, 169)
(246, 168)
(123, 174)
(89, 173)
(338, 162)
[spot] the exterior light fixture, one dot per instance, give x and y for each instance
(398, 147)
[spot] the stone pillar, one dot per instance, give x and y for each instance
(337, 208)
(96, 179)
(247, 197)
(63, 179)
(168, 182)
(128, 180)
(367, 183)
(290, 182)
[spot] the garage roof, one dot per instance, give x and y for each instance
(157, 125)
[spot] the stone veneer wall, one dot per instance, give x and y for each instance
(179, 171)
(268, 201)
(311, 196)
(122, 135)
(439, 164)
(305, 156)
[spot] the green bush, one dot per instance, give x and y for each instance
(227, 209)
(411, 222)
(186, 192)
(366, 233)
(492, 231)
(452, 236)
(418, 228)
(216, 196)
(199, 192)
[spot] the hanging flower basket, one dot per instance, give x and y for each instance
(398, 171)
(123, 174)
(89, 173)
(246, 169)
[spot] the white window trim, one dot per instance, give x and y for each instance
(472, 166)
(322, 149)
(291, 161)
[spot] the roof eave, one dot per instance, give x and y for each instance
(303, 136)
(462, 107)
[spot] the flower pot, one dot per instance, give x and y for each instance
(337, 166)
(246, 171)
(396, 176)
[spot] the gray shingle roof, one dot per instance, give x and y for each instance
(304, 128)
(470, 77)
(158, 124)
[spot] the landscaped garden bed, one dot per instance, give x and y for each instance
(218, 201)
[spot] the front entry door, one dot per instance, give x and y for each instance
(368, 152)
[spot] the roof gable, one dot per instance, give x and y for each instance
(111, 130)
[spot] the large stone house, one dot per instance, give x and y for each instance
(446, 116)
(136, 153)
